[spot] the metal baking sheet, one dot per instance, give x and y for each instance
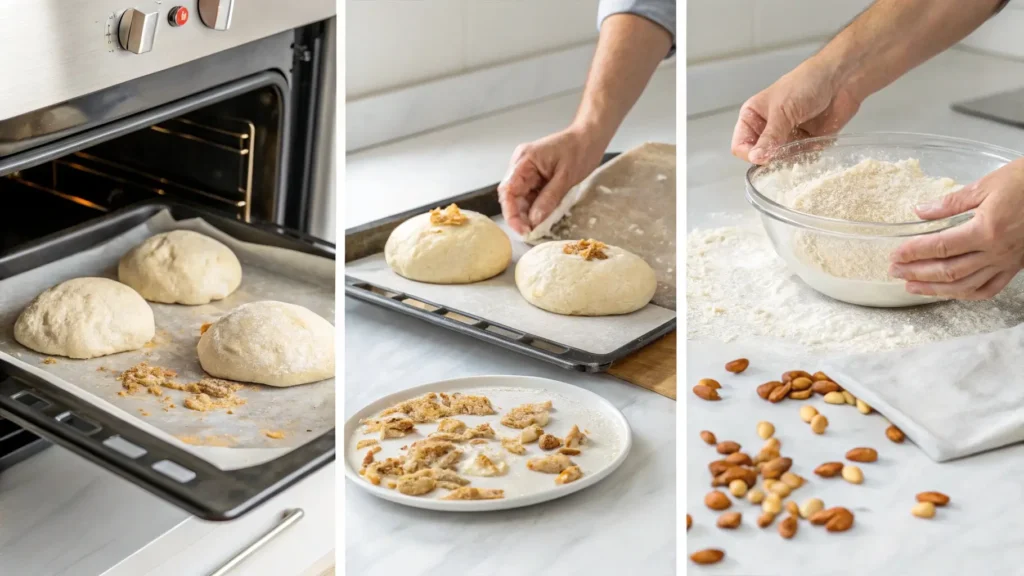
(498, 300)
(228, 441)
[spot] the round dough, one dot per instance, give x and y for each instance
(181, 267)
(86, 318)
(270, 343)
(475, 250)
(564, 283)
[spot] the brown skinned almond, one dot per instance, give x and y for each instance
(841, 521)
(793, 374)
(764, 390)
(689, 521)
(819, 376)
(707, 556)
(823, 387)
(708, 437)
(727, 447)
(862, 454)
(829, 469)
(730, 520)
(739, 459)
(937, 498)
(765, 520)
(748, 475)
(788, 526)
(705, 393)
(717, 500)
(801, 383)
(822, 517)
(710, 383)
(775, 468)
(895, 434)
(737, 366)
(719, 466)
(779, 393)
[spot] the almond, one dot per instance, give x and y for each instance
(819, 423)
(737, 366)
(787, 528)
(810, 507)
(862, 406)
(807, 412)
(739, 459)
(717, 500)
(765, 520)
(849, 398)
(792, 508)
(895, 434)
(748, 475)
(781, 489)
(937, 498)
(775, 468)
(708, 437)
(821, 517)
(755, 496)
(772, 504)
(779, 393)
(772, 444)
(689, 521)
(800, 395)
(765, 430)
(719, 466)
(730, 520)
(862, 455)
(823, 387)
(764, 390)
(852, 474)
(923, 510)
(820, 377)
(707, 556)
(705, 393)
(793, 374)
(829, 469)
(835, 398)
(841, 521)
(792, 480)
(727, 447)
(710, 383)
(738, 488)
(801, 383)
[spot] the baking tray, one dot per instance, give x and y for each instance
(369, 239)
(163, 469)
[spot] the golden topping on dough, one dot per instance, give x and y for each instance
(587, 249)
(450, 216)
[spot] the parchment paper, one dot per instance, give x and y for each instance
(629, 202)
(227, 441)
(498, 300)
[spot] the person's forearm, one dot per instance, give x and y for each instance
(629, 50)
(893, 36)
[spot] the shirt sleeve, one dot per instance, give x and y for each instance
(661, 12)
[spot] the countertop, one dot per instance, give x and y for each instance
(977, 533)
(624, 524)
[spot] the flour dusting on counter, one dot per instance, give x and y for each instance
(738, 288)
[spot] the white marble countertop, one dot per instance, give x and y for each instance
(623, 525)
(979, 531)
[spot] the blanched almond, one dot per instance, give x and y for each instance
(800, 395)
(819, 423)
(810, 507)
(772, 503)
(792, 480)
(755, 496)
(801, 383)
(765, 430)
(852, 474)
(738, 488)
(807, 412)
(835, 398)
(862, 406)
(923, 510)
(849, 398)
(793, 374)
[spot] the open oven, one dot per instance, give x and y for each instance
(108, 113)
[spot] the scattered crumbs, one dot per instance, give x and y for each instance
(275, 434)
(150, 344)
(49, 360)
(101, 369)
(203, 402)
(143, 412)
(142, 376)
(230, 411)
(223, 441)
(122, 393)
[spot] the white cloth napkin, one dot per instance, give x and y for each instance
(953, 398)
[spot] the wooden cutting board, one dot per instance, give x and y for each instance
(652, 367)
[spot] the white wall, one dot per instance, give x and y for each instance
(396, 43)
(723, 28)
(1003, 34)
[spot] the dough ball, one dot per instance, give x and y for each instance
(86, 318)
(584, 278)
(181, 267)
(270, 343)
(449, 246)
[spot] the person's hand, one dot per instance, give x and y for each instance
(977, 259)
(542, 172)
(804, 103)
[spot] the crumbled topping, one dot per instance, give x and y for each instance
(531, 433)
(527, 415)
(471, 493)
(364, 443)
(587, 249)
(450, 216)
(552, 464)
(575, 438)
(451, 426)
(549, 442)
(513, 445)
(570, 474)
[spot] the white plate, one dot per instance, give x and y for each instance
(608, 441)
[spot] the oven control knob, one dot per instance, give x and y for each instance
(216, 14)
(136, 31)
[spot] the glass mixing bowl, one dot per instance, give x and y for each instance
(849, 260)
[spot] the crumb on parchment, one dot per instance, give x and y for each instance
(49, 360)
(274, 434)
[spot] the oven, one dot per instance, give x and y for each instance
(219, 108)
